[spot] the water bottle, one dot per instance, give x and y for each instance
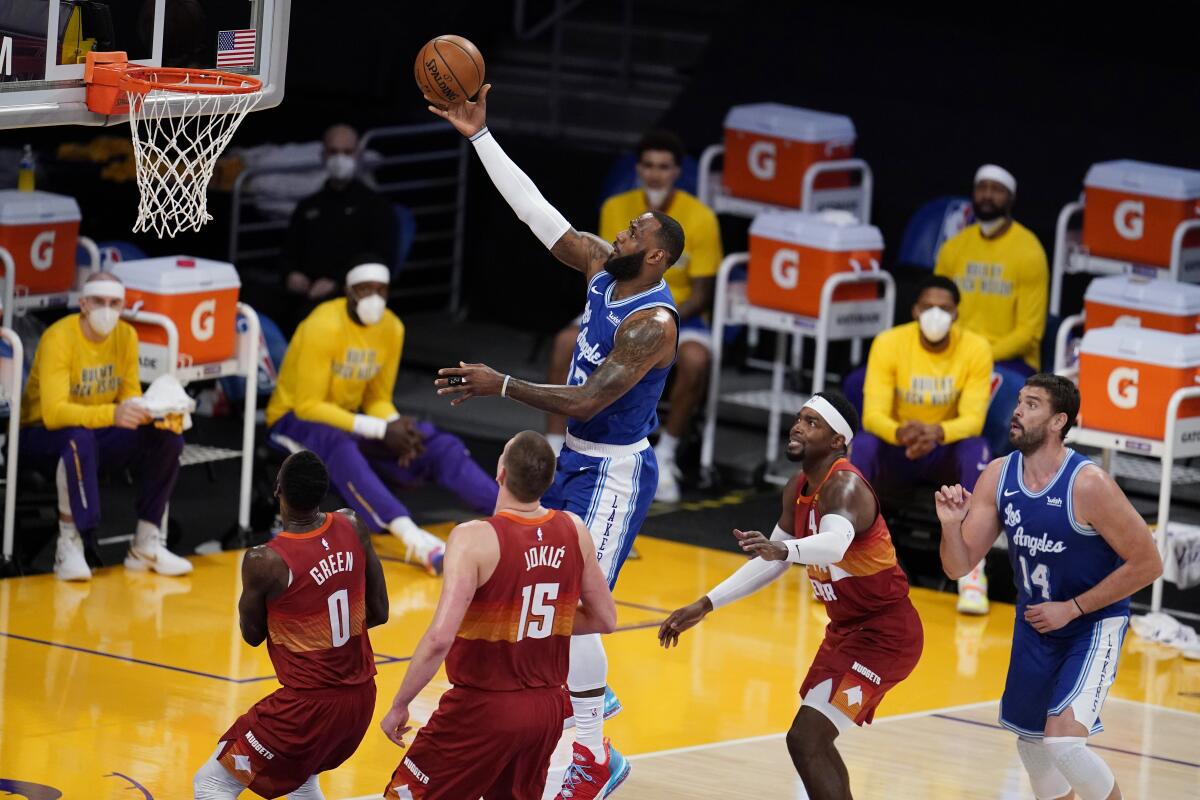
(26, 169)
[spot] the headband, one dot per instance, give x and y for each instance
(368, 273)
(831, 415)
(991, 172)
(110, 289)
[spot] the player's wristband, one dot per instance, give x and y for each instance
(370, 427)
(504, 386)
(1076, 602)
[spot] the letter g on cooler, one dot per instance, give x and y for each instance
(760, 158)
(1123, 387)
(204, 320)
(1129, 219)
(41, 252)
(785, 268)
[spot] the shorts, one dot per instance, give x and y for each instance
(864, 660)
(291, 734)
(1049, 674)
(612, 495)
(492, 745)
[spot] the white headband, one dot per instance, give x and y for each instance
(110, 289)
(368, 273)
(831, 415)
(991, 172)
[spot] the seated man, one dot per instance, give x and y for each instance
(334, 397)
(82, 411)
(691, 280)
(924, 402)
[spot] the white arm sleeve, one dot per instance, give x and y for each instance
(827, 546)
(752, 576)
(547, 224)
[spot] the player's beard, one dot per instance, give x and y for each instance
(625, 267)
(988, 211)
(1026, 440)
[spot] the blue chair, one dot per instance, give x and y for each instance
(622, 176)
(111, 252)
(406, 231)
(269, 362)
(931, 225)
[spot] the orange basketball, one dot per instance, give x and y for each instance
(449, 69)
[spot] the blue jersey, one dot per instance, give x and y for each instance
(1053, 556)
(634, 415)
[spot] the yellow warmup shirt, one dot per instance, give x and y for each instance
(336, 368)
(77, 383)
(702, 237)
(1004, 284)
(906, 382)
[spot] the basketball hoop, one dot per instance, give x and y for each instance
(181, 121)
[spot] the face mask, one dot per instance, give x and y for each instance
(103, 319)
(656, 197)
(340, 166)
(935, 323)
(370, 309)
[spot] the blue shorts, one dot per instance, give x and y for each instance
(611, 496)
(695, 329)
(1047, 675)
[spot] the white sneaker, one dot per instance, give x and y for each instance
(156, 557)
(69, 561)
(423, 547)
(668, 482)
(972, 592)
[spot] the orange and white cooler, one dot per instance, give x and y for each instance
(792, 254)
(1142, 302)
(1132, 209)
(1127, 376)
(769, 147)
(40, 231)
(200, 297)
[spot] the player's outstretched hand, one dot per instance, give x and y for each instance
(952, 504)
(468, 118)
(680, 620)
(755, 544)
(1046, 617)
(468, 380)
(395, 724)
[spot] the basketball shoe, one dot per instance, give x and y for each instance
(972, 592)
(70, 564)
(585, 779)
(612, 707)
(420, 545)
(149, 551)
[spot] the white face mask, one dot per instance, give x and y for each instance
(656, 197)
(935, 323)
(340, 166)
(103, 319)
(370, 309)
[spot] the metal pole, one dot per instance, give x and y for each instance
(248, 360)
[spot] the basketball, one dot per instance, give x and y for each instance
(449, 69)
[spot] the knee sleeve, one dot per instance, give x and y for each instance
(589, 664)
(309, 790)
(1048, 783)
(1087, 773)
(213, 781)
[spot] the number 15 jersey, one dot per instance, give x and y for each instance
(516, 633)
(1054, 557)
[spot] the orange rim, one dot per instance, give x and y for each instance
(142, 80)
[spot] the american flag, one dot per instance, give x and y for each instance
(236, 48)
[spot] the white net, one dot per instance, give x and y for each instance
(177, 138)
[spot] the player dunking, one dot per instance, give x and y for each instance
(1078, 551)
(607, 473)
(831, 522)
(510, 601)
(311, 593)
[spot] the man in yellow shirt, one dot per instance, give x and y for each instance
(334, 397)
(1000, 268)
(925, 397)
(691, 281)
(82, 410)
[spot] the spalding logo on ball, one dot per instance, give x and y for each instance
(449, 70)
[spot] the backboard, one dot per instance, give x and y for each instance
(43, 45)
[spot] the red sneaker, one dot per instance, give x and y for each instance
(586, 779)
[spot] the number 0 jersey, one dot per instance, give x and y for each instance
(1054, 557)
(516, 633)
(316, 629)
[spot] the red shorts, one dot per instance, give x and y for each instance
(482, 744)
(291, 734)
(866, 659)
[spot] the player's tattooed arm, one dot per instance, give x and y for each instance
(377, 596)
(264, 576)
(585, 252)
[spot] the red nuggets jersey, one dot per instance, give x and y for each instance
(316, 629)
(517, 631)
(868, 579)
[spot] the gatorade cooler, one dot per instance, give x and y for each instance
(39, 230)
(1142, 302)
(1127, 376)
(792, 254)
(1133, 208)
(769, 147)
(199, 295)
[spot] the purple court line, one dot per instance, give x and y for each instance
(1095, 746)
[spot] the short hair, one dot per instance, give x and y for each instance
(530, 463)
(303, 481)
(940, 282)
(843, 407)
(661, 140)
(1064, 396)
(670, 236)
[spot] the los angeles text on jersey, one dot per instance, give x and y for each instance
(330, 565)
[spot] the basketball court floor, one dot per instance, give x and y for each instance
(119, 688)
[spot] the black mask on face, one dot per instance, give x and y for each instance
(625, 267)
